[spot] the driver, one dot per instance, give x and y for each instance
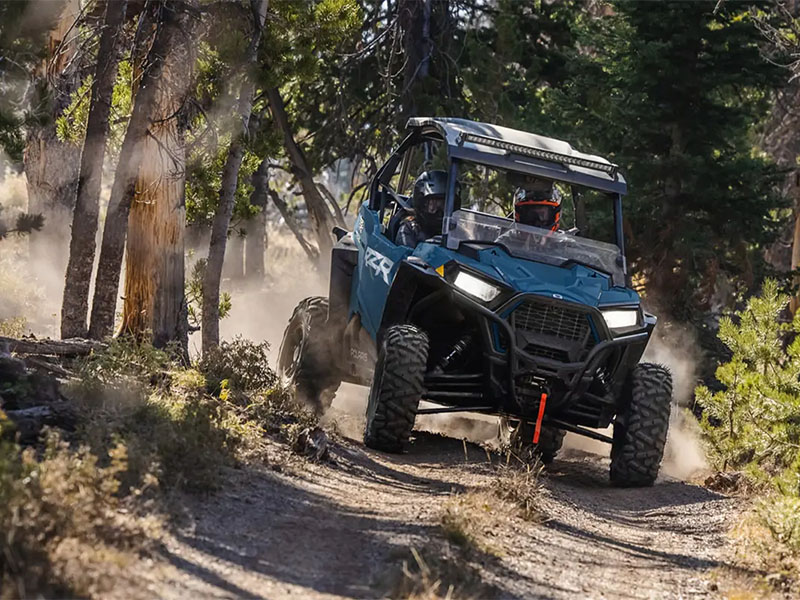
(537, 202)
(428, 201)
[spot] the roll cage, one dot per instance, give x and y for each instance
(499, 148)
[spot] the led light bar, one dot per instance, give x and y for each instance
(547, 155)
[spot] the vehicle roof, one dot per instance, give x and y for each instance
(469, 140)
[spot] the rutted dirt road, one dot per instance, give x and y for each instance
(343, 530)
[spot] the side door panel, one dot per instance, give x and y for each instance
(378, 261)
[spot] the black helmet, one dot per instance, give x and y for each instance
(428, 197)
(538, 203)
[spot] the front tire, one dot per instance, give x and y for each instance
(306, 358)
(396, 389)
(640, 430)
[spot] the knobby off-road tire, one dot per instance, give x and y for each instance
(519, 438)
(396, 389)
(640, 431)
(307, 355)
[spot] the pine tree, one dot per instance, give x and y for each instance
(672, 91)
(753, 423)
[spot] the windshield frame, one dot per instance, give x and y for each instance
(449, 224)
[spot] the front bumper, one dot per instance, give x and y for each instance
(573, 379)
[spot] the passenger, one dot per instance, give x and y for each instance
(537, 202)
(428, 200)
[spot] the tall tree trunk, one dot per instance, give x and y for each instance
(321, 220)
(256, 240)
(414, 17)
(794, 304)
(154, 267)
(230, 172)
(174, 16)
(75, 304)
(51, 166)
(256, 243)
(255, 248)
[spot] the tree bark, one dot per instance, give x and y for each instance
(321, 220)
(414, 17)
(794, 303)
(154, 300)
(230, 172)
(75, 304)
(174, 15)
(256, 239)
(51, 166)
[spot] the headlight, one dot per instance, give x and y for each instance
(621, 318)
(476, 287)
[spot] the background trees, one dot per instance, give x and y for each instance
(250, 124)
(676, 96)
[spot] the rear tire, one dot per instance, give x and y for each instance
(306, 358)
(640, 430)
(396, 389)
(518, 436)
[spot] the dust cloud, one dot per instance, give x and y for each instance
(677, 347)
(260, 309)
(31, 283)
(684, 458)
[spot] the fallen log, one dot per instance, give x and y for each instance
(68, 348)
(29, 422)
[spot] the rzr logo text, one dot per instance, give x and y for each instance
(379, 264)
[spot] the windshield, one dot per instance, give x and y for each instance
(542, 245)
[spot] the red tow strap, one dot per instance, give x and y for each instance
(539, 418)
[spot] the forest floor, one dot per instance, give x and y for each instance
(343, 528)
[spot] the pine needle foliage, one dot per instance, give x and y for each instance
(753, 423)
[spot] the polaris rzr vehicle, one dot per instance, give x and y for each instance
(540, 327)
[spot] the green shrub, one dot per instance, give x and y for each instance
(753, 423)
(184, 424)
(124, 359)
(240, 366)
(780, 513)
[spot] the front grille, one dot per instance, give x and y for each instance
(552, 320)
(555, 331)
(545, 352)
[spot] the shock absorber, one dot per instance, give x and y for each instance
(457, 350)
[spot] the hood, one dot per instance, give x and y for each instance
(573, 283)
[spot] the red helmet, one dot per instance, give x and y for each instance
(539, 207)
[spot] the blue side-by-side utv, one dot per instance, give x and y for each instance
(539, 327)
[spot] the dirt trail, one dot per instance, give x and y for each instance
(342, 530)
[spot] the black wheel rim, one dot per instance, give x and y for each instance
(293, 352)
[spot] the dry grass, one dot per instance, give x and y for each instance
(470, 523)
(65, 527)
(68, 513)
(181, 423)
(468, 520)
(436, 573)
(766, 543)
(520, 487)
